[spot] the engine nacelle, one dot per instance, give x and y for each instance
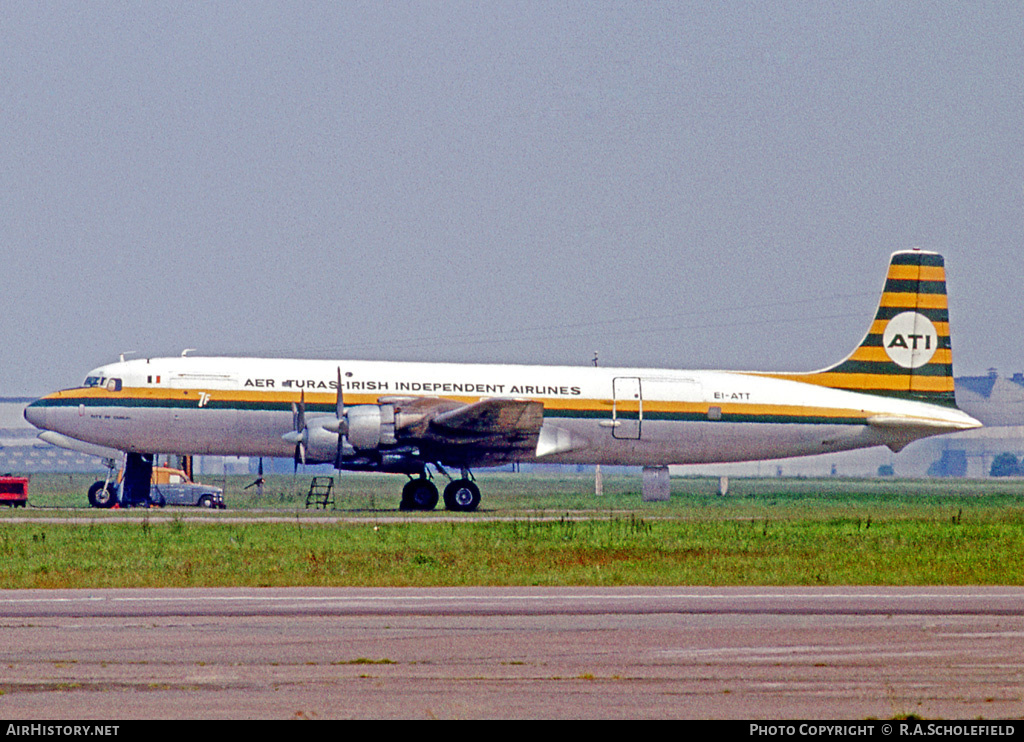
(370, 426)
(321, 443)
(362, 429)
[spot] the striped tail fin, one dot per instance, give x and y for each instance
(907, 352)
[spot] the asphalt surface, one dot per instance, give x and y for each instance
(675, 652)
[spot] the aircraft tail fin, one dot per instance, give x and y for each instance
(907, 351)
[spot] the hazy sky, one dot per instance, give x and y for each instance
(712, 185)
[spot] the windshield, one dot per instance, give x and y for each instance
(112, 385)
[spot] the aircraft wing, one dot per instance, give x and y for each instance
(490, 430)
(511, 419)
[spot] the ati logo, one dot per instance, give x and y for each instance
(910, 340)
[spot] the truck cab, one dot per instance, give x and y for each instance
(14, 491)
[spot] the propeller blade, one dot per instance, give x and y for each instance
(300, 435)
(339, 411)
(341, 422)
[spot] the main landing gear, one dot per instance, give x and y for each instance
(419, 494)
(461, 495)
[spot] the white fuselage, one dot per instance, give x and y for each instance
(246, 407)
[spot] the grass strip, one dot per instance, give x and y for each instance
(932, 547)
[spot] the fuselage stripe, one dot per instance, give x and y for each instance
(554, 408)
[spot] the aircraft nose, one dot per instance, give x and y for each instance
(35, 413)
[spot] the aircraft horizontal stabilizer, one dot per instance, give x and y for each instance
(901, 430)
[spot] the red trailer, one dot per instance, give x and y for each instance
(14, 491)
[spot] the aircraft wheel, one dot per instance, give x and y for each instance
(100, 496)
(419, 494)
(462, 495)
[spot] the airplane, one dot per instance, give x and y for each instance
(403, 417)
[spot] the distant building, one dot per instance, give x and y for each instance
(996, 402)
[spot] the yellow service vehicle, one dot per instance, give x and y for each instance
(168, 486)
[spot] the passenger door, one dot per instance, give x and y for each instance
(627, 407)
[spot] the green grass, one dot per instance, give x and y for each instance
(553, 531)
(517, 493)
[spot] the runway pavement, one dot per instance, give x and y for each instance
(672, 652)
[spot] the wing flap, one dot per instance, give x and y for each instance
(490, 426)
(509, 419)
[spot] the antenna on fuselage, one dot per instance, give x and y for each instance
(186, 351)
(127, 353)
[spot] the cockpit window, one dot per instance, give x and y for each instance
(111, 384)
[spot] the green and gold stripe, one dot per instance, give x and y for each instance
(576, 408)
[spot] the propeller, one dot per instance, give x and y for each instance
(359, 427)
(339, 408)
(341, 421)
(300, 435)
(305, 439)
